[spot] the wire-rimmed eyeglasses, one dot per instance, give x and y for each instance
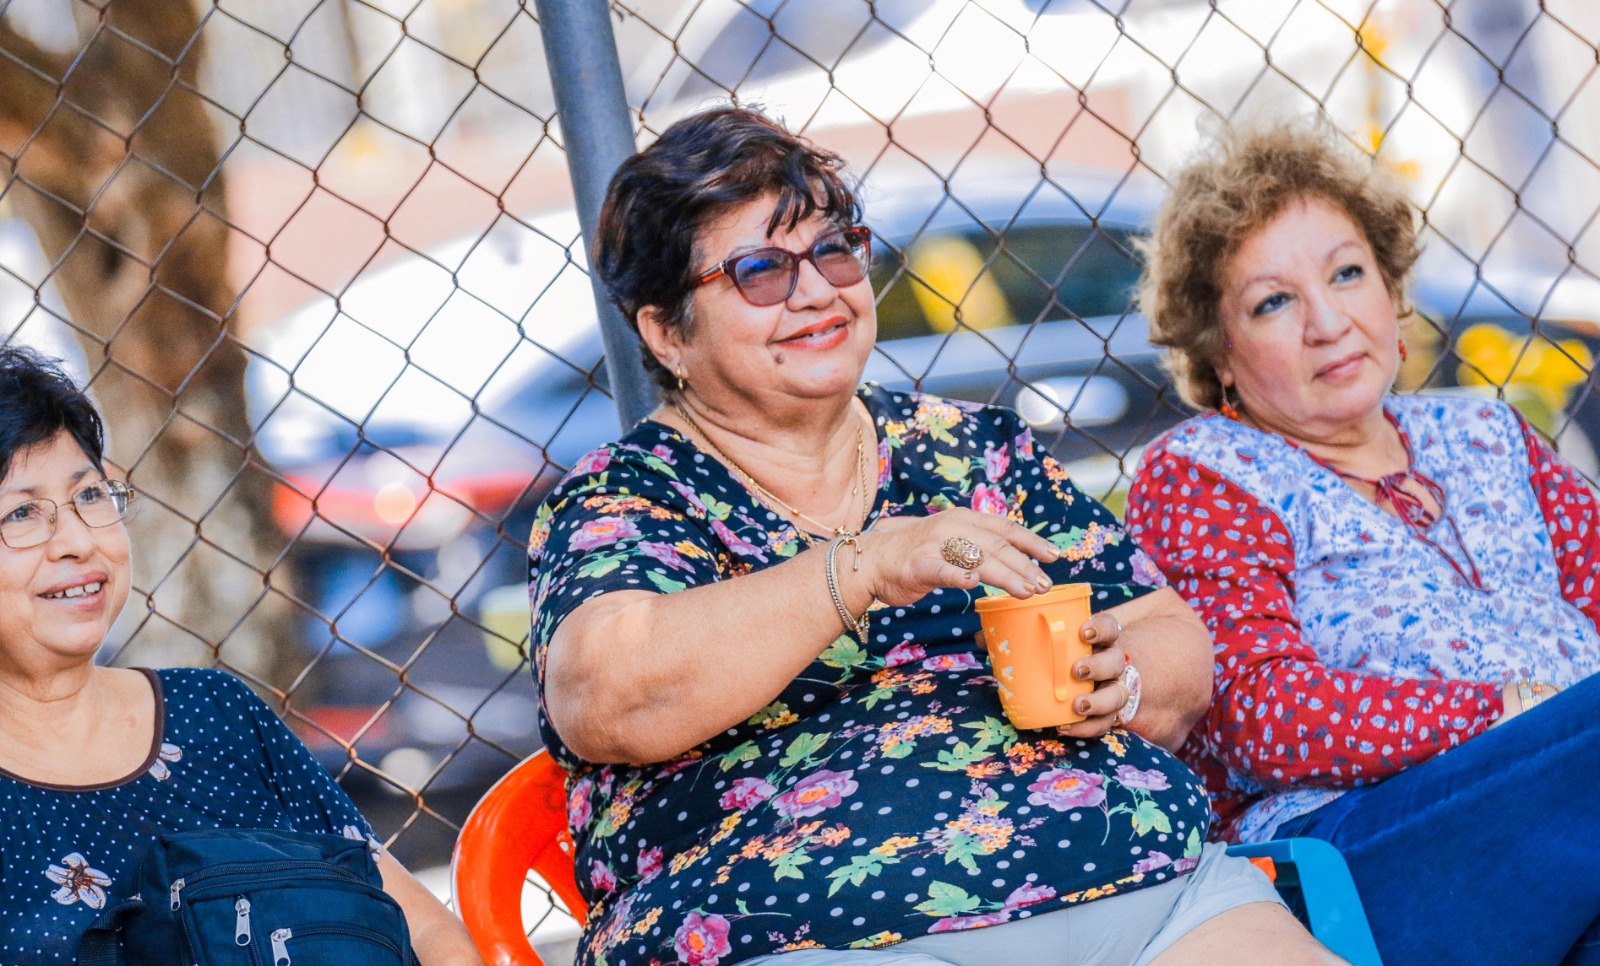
(100, 504)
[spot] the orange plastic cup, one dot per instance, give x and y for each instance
(1033, 645)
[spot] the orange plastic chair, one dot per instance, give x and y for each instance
(520, 824)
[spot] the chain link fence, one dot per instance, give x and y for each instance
(319, 261)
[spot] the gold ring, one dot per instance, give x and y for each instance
(961, 552)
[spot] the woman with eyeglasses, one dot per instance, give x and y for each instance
(1388, 578)
(754, 632)
(95, 762)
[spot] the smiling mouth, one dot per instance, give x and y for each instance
(816, 334)
(82, 590)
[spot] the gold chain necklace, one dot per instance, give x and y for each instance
(769, 497)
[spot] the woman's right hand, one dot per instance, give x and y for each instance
(902, 558)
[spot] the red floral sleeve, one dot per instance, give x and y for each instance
(1568, 506)
(1280, 716)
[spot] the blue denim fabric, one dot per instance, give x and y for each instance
(1489, 853)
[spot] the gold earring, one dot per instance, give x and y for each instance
(682, 382)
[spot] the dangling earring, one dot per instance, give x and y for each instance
(1404, 354)
(1227, 407)
(682, 382)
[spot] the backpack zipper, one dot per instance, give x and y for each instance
(280, 949)
(300, 866)
(214, 882)
(280, 939)
(183, 925)
(241, 922)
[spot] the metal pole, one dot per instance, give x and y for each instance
(582, 55)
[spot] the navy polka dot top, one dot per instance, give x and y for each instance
(220, 759)
(882, 795)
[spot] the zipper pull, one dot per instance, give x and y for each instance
(241, 922)
(177, 887)
(280, 952)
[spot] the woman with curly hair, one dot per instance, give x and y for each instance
(1386, 577)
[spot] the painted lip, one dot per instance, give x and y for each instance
(1339, 364)
(79, 581)
(821, 325)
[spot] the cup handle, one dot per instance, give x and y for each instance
(1060, 659)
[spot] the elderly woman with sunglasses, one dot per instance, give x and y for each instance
(754, 634)
(1387, 577)
(95, 762)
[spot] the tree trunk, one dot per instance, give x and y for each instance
(113, 158)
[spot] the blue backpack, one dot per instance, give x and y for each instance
(252, 897)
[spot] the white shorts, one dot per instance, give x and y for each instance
(1125, 930)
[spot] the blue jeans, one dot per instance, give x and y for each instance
(1489, 853)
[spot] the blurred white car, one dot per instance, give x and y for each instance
(31, 311)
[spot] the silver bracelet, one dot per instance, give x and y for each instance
(852, 624)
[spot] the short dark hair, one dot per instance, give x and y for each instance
(38, 400)
(700, 167)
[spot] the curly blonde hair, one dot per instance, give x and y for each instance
(1240, 182)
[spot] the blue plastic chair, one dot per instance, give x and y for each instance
(1314, 873)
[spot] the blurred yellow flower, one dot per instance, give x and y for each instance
(1540, 367)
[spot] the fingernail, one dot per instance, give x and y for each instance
(1043, 583)
(1089, 633)
(1083, 705)
(1082, 670)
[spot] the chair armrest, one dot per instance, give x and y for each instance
(1333, 907)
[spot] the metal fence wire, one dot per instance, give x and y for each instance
(320, 262)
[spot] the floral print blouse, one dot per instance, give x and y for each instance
(220, 759)
(1348, 649)
(882, 795)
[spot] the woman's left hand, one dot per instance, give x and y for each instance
(1169, 647)
(1104, 667)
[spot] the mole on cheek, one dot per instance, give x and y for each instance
(778, 358)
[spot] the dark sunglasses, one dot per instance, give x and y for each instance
(768, 276)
